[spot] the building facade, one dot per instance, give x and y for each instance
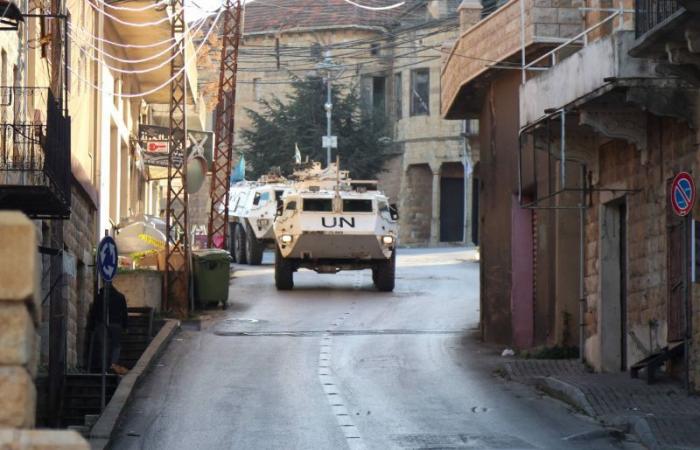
(600, 124)
(77, 81)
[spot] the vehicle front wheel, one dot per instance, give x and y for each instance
(284, 272)
(254, 249)
(384, 274)
(239, 244)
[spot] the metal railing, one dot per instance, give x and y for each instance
(650, 13)
(35, 146)
(580, 39)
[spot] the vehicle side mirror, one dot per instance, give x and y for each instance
(394, 211)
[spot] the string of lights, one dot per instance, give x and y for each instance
(198, 26)
(190, 60)
(99, 10)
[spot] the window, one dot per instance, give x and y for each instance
(315, 51)
(291, 206)
(379, 93)
(256, 199)
(318, 204)
(374, 49)
(257, 89)
(420, 92)
(398, 96)
(357, 205)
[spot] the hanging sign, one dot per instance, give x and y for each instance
(683, 194)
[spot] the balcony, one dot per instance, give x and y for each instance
(495, 44)
(651, 13)
(35, 174)
(667, 29)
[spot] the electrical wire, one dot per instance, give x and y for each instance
(157, 88)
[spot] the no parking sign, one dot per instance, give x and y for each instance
(682, 194)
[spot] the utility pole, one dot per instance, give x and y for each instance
(177, 247)
(225, 119)
(329, 108)
(327, 65)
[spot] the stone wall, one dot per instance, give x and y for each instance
(19, 316)
(415, 208)
(622, 166)
(79, 241)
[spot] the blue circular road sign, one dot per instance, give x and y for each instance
(107, 258)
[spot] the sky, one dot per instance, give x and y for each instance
(195, 12)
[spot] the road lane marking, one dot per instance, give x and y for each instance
(328, 382)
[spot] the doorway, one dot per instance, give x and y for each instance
(613, 289)
(452, 203)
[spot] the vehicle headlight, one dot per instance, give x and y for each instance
(286, 238)
(387, 240)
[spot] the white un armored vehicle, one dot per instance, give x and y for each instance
(252, 208)
(349, 226)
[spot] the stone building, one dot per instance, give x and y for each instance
(69, 159)
(393, 59)
(604, 122)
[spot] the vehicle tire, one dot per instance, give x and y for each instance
(232, 240)
(253, 249)
(384, 274)
(284, 272)
(239, 244)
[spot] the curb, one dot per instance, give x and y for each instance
(102, 430)
(576, 397)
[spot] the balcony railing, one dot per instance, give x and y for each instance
(650, 13)
(34, 154)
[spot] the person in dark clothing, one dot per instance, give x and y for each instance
(116, 324)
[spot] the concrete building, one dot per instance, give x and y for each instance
(600, 126)
(393, 58)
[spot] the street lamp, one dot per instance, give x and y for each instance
(328, 66)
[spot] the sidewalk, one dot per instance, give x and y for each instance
(662, 415)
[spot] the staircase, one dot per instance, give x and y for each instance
(81, 392)
(81, 396)
(139, 335)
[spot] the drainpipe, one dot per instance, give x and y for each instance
(581, 262)
(466, 151)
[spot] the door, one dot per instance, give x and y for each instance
(613, 293)
(451, 209)
(675, 285)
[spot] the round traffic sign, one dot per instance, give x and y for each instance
(107, 258)
(683, 194)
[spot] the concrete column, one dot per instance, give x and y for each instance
(19, 315)
(435, 222)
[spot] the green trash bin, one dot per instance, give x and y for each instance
(210, 268)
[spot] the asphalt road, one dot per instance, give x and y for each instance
(335, 364)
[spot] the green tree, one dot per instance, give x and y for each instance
(363, 137)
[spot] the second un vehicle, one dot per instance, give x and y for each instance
(252, 207)
(347, 227)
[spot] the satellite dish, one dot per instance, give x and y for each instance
(196, 173)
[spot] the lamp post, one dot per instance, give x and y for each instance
(327, 66)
